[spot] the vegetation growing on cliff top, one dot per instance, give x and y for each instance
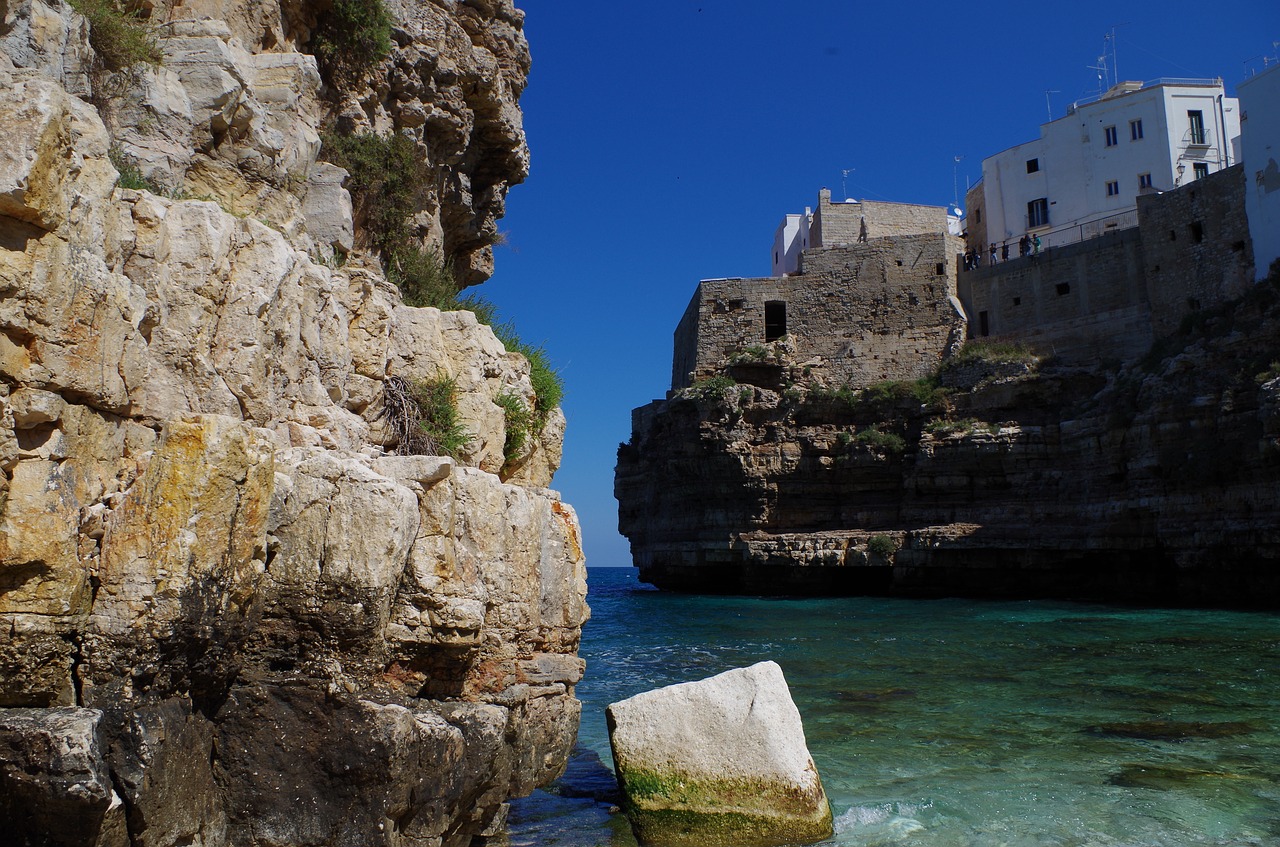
(120, 38)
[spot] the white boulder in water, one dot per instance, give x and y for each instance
(718, 763)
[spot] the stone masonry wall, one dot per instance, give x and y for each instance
(1071, 301)
(857, 314)
(1113, 295)
(1196, 247)
(838, 224)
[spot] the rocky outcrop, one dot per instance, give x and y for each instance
(720, 762)
(1155, 481)
(233, 613)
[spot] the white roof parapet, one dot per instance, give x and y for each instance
(1123, 89)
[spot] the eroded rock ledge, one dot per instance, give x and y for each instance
(231, 613)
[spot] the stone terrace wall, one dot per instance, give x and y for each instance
(858, 314)
(1196, 247)
(1071, 301)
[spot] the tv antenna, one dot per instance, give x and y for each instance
(1103, 77)
(844, 179)
(1111, 38)
(1047, 107)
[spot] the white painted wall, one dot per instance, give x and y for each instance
(1260, 147)
(789, 241)
(1076, 163)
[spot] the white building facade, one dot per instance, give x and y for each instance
(789, 241)
(1260, 151)
(1082, 176)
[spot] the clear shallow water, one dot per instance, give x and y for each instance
(940, 723)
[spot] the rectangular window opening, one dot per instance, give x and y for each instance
(775, 320)
(1038, 213)
(1196, 119)
(1113, 138)
(1033, 165)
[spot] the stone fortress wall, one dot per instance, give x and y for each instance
(879, 293)
(1113, 295)
(856, 314)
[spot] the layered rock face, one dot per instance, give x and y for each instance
(1153, 482)
(232, 612)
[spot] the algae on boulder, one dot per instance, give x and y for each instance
(722, 761)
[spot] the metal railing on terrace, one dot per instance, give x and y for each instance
(1072, 233)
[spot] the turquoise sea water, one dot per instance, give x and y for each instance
(939, 723)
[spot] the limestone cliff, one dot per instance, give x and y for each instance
(233, 612)
(1155, 481)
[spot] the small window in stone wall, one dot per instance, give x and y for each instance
(1197, 231)
(775, 319)
(1063, 288)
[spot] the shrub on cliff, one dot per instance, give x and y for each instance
(423, 415)
(384, 175)
(120, 38)
(548, 387)
(710, 389)
(518, 419)
(880, 441)
(353, 36)
(881, 546)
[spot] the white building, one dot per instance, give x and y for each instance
(791, 238)
(1082, 176)
(1260, 150)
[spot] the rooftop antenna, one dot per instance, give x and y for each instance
(1047, 107)
(844, 179)
(1101, 68)
(1111, 38)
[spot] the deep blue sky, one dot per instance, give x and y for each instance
(669, 137)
